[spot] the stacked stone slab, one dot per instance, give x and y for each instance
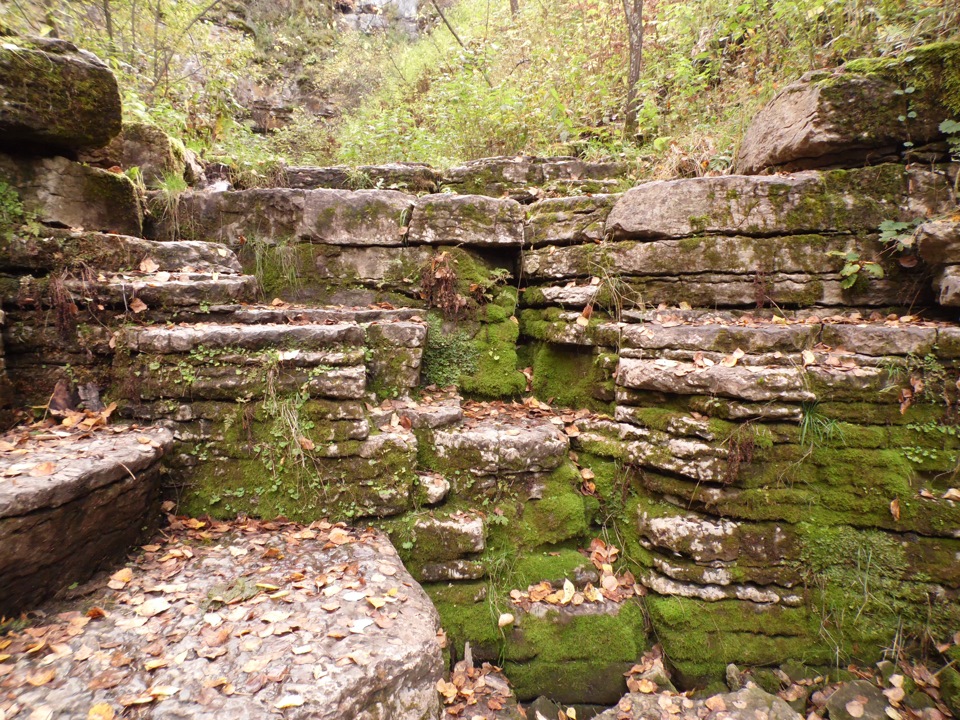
(766, 481)
(59, 525)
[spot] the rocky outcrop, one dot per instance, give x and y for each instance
(315, 621)
(410, 177)
(65, 510)
(868, 111)
(65, 193)
(54, 96)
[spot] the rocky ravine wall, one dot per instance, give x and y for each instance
(777, 479)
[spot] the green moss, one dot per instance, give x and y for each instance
(574, 377)
(496, 374)
(950, 689)
(449, 353)
(573, 681)
(560, 515)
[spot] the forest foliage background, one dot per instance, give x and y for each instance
(547, 79)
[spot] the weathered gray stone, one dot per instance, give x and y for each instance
(804, 202)
(856, 114)
(62, 192)
(799, 254)
(689, 457)
(947, 285)
(514, 176)
(665, 584)
(54, 96)
(492, 447)
(870, 702)
(452, 571)
(880, 340)
(396, 661)
(751, 703)
(753, 384)
(410, 177)
(158, 156)
(938, 242)
(183, 290)
(561, 221)
(298, 338)
(469, 220)
(57, 527)
(721, 338)
(435, 487)
(58, 249)
(332, 217)
(448, 537)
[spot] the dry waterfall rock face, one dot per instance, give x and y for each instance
(54, 96)
(898, 104)
(67, 506)
(248, 620)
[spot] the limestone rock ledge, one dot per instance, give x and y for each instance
(246, 620)
(64, 509)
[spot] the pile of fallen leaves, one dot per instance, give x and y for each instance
(612, 586)
(474, 693)
(251, 608)
(63, 435)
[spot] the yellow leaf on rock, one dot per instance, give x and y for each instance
(43, 469)
(289, 701)
(101, 711)
(42, 677)
(568, 592)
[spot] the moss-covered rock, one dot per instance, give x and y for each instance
(900, 103)
(54, 96)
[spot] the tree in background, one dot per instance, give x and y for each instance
(633, 10)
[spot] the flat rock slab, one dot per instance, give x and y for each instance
(412, 177)
(751, 703)
(246, 620)
(471, 220)
(509, 446)
(804, 202)
(114, 253)
(66, 193)
(69, 502)
(54, 95)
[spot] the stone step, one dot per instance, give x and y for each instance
(520, 178)
(321, 621)
(69, 502)
(58, 249)
(765, 205)
(499, 447)
(361, 218)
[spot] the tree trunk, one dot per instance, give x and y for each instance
(514, 7)
(633, 9)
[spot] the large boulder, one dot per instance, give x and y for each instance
(61, 192)
(55, 97)
(868, 111)
(158, 156)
